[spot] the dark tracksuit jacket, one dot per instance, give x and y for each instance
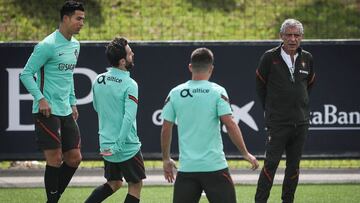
(284, 101)
(286, 104)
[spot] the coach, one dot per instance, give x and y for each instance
(283, 81)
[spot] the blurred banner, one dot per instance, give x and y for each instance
(159, 66)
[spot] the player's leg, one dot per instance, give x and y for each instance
(275, 146)
(113, 175)
(218, 186)
(293, 151)
(187, 188)
(48, 139)
(134, 190)
(134, 172)
(71, 151)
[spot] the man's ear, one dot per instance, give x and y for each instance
(65, 18)
(190, 68)
(211, 69)
(122, 61)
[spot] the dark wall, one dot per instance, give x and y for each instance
(335, 99)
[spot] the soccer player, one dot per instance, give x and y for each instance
(115, 101)
(54, 107)
(197, 106)
(284, 78)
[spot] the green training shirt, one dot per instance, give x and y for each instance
(196, 107)
(115, 101)
(53, 62)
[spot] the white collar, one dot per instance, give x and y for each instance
(287, 58)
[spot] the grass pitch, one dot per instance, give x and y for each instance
(334, 193)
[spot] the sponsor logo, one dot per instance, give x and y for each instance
(304, 71)
(66, 67)
(53, 192)
(101, 79)
(188, 92)
(242, 114)
(330, 118)
(16, 98)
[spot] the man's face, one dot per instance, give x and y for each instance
(129, 58)
(75, 22)
(291, 39)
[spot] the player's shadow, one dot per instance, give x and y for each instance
(220, 5)
(48, 12)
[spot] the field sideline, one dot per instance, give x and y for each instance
(233, 164)
(309, 193)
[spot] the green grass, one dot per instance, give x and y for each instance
(334, 193)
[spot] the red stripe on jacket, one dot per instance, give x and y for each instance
(133, 98)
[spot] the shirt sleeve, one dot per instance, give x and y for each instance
(130, 110)
(168, 112)
(223, 104)
(262, 72)
(72, 97)
(38, 58)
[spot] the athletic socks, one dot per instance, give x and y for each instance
(100, 193)
(66, 173)
(51, 179)
(131, 199)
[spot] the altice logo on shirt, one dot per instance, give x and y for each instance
(190, 92)
(66, 67)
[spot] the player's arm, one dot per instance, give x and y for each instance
(37, 60)
(72, 100)
(261, 78)
(130, 111)
(237, 138)
(168, 115)
(94, 97)
(168, 163)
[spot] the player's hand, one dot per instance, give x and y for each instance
(44, 108)
(253, 161)
(75, 113)
(106, 152)
(169, 165)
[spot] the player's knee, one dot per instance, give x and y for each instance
(54, 160)
(75, 162)
(73, 159)
(271, 165)
(115, 185)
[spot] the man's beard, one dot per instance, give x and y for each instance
(129, 65)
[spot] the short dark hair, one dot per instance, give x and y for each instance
(201, 58)
(115, 50)
(70, 7)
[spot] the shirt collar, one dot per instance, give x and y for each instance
(287, 58)
(118, 71)
(62, 36)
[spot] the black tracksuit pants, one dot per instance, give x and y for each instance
(288, 139)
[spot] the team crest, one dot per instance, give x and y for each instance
(303, 64)
(76, 53)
